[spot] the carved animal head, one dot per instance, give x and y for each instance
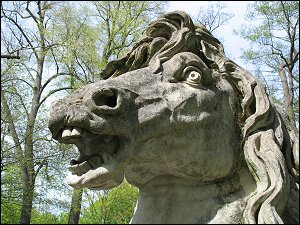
(176, 105)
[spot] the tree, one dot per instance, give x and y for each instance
(213, 16)
(75, 208)
(122, 23)
(111, 207)
(274, 49)
(76, 35)
(89, 34)
(24, 87)
(11, 194)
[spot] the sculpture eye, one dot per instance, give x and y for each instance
(193, 77)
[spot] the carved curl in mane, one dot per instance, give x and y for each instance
(270, 144)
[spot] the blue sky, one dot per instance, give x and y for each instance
(233, 44)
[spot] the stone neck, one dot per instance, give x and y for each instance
(167, 200)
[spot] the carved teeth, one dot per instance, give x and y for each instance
(76, 132)
(66, 132)
(71, 132)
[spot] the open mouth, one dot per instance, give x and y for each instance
(95, 150)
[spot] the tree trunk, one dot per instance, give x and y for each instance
(290, 110)
(288, 96)
(27, 168)
(29, 174)
(28, 190)
(74, 214)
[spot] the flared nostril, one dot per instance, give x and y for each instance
(105, 97)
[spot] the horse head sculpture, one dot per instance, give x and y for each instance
(195, 132)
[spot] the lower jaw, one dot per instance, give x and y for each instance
(106, 176)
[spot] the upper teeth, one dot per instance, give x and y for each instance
(71, 132)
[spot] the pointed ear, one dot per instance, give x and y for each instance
(211, 53)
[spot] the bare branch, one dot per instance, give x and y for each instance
(23, 33)
(52, 92)
(20, 79)
(31, 14)
(52, 78)
(10, 56)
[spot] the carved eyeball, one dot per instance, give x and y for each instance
(194, 77)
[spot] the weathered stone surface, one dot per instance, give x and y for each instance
(195, 132)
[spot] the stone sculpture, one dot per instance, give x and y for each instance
(195, 132)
